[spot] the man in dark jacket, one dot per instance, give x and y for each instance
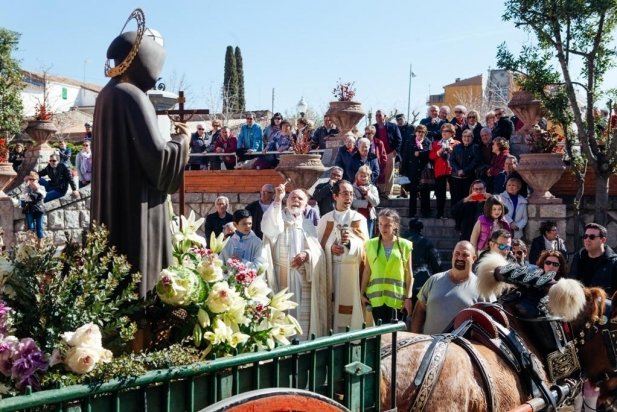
(407, 140)
(503, 125)
(323, 133)
(596, 263)
(323, 191)
(425, 258)
(59, 179)
(258, 207)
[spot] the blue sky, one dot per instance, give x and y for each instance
(297, 48)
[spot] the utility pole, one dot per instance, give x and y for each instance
(411, 74)
(272, 109)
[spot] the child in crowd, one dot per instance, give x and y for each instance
(366, 196)
(244, 244)
(492, 219)
(32, 203)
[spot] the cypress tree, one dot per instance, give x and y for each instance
(10, 83)
(241, 102)
(230, 82)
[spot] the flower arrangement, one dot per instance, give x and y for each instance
(301, 143)
(42, 113)
(544, 141)
(344, 92)
(229, 303)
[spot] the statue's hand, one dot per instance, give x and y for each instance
(182, 128)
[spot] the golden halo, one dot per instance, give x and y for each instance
(118, 70)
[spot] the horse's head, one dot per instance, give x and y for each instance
(595, 337)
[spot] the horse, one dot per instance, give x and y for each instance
(474, 375)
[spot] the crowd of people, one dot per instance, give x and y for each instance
(52, 181)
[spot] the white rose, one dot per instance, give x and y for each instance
(82, 359)
(87, 335)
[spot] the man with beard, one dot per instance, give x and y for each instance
(447, 293)
(342, 233)
(296, 261)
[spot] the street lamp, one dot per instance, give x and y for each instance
(302, 107)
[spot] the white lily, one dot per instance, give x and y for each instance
(258, 290)
(217, 243)
(189, 230)
(281, 301)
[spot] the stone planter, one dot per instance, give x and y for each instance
(302, 169)
(541, 171)
(526, 108)
(40, 131)
(7, 174)
(345, 115)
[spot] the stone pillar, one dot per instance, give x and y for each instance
(34, 159)
(6, 220)
(538, 213)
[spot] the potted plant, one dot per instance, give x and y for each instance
(543, 166)
(301, 168)
(344, 111)
(7, 174)
(42, 127)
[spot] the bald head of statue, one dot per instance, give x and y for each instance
(147, 66)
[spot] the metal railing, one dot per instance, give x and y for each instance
(344, 367)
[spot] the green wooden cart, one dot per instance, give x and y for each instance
(340, 371)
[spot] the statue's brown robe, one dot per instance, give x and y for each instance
(134, 168)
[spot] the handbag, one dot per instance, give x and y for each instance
(427, 175)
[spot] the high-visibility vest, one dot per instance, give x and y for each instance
(387, 282)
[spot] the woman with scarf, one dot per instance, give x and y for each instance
(440, 154)
(83, 162)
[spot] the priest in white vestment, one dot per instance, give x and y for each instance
(342, 233)
(297, 260)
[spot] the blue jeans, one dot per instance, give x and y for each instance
(35, 223)
(52, 194)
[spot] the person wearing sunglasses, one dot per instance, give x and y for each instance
(59, 179)
(596, 263)
(519, 251)
(553, 261)
(500, 242)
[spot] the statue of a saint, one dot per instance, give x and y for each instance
(134, 166)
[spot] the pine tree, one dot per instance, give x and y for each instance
(230, 82)
(10, 83)
(240, 71)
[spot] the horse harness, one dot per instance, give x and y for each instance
(488, 324)
(601, 327)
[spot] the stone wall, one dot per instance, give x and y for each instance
(64, 217)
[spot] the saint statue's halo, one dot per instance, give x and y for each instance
(118, 70)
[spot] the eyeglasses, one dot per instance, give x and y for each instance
(277, 118)
(249, 118)
(592, 237)
(519, 253)
(55, 161)
(552, 263)
(503, 246)
(200, 128)
(471, 117)
(446, 131)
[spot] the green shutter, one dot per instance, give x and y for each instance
(64, 93)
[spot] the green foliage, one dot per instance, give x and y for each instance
(572, 34)
(230, 82)
(10, 83)
(126, 366)
(59, 292)
(241, 102)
